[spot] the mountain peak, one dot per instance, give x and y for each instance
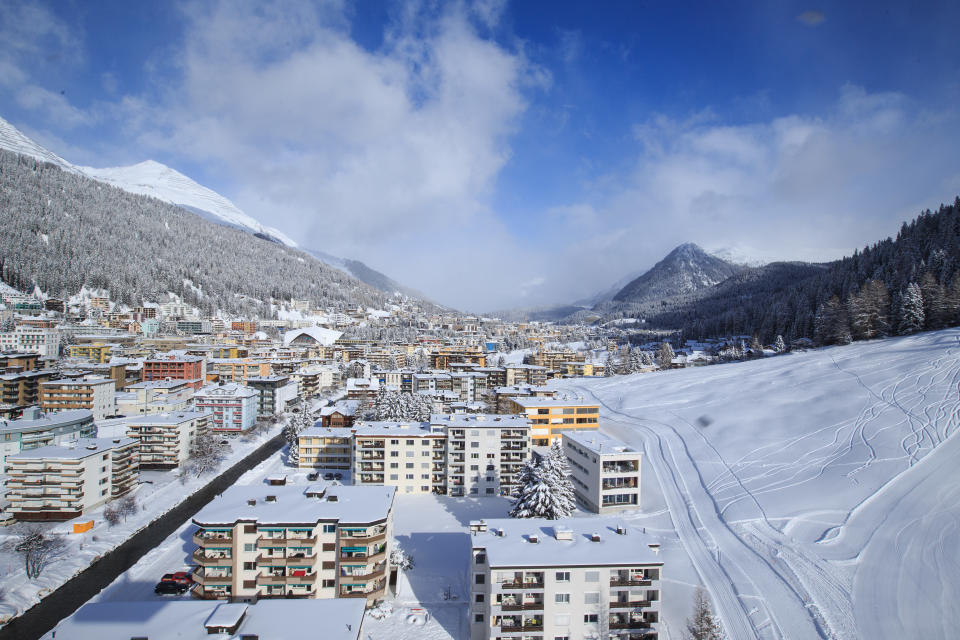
(686, 269)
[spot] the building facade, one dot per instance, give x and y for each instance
(36, 430)
(95, 394)
(586, 578)
(605, 472)
(549, 417)
(294, 542)
(234, 407)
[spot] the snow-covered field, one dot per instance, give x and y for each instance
(158, 492)
(816, 494)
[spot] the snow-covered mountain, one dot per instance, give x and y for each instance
(151, 178)
(159, 181)
(686, 269)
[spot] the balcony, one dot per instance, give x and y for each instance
(630, 604)
(522, 585)
(206, 577)
(216, 560)
(265, 542)
(203, 538)
(283, 561)
(625, 581)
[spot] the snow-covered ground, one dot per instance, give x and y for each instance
(816, 494)
(157, 493)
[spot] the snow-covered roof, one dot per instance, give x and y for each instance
(532, 402)
(48, 421)
(292, 506)
(279, 619)
(343, 407)
(231, 390)
(82, 448)
(394, 429)
(515, 549)
(479, 420)
(158, 384)
(324, 337)
(598, 443)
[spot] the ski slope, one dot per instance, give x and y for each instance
(816, 493)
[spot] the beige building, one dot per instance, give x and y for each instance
(604, 471)
(93, 394)
(294, 542)
(155, 396)
(578, 579)
(164, 439)
(551, 416)
(63, 482)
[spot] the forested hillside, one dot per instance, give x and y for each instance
(62, 230)
(897, 285)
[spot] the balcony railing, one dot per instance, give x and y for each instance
(628, 582)
(631, 604)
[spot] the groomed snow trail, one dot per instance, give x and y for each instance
(688, 500)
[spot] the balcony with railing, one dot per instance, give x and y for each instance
(207, 557)
(211, 577)
(622, 578)
(520, 580)
(522, 602)
(621, 466)
(360, 590)
(217, 538)
(519, 624)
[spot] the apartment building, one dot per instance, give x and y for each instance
(550, 416)
(605, 472)
(524, 374)
(294, 542)
(502, 396)
(237, 370)
(311, 379)
(191, 369)
(340, 414)
(157, 396)
(36, 430)
(363, 389)
(444, 356)
(201, 619)
(453, 454)
(274, 393)
(484, 452)
(63, 482)
(23, 389)
(97, 352)
(15, 362)
(234, 407)
(95, 394)
(44, 342)
(399, 379)
(580, 579)
(164, 439)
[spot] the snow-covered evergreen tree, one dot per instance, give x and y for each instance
(779, 345)
(665, 355)
(545, 490)
(910, 317)
(556, 471)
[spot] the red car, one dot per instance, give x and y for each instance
(180, 577)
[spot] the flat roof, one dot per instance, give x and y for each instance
(274, 619)
(527, 402)
(479, 420)
(49, 420)
(173, 417)
(514, 548)
(82, 448)
(293, 506)
(597, 442)
(158, 384)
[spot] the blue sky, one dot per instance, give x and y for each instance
(499, 154)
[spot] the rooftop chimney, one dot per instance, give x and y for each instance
(595, 537)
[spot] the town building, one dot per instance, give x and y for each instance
(95, 394)
(578, 578)
(234, 407)
(60, 482)
(203, 619)
(191, 369)
(502, 396)
(44, 342)
(97, 352)
(274, 394)
(484, 452)
(294, 542)
(36, 430)
(605, 472)
(164, 439)
(157, 396)
(237, 370)
(550, 416)
(23, 389)
(340, 414)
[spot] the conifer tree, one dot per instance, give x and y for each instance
(910, 318)
(702, 625)
(665, 355)
(779, 345)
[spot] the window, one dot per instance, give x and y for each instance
(249, 546)
(562, 598)
(394, 465)
(410, 454)
(474, 467)
(562, 619)
(329, 528)
(409, 476)
(328, 584)
(474, 456)
(478, 597)
(394, 476)
(474, 432)
(592, 576)
(480, 579)
(590, 617)
(490, 491)
(409, 465)
(591, 597)
(394, 442)
(562, 576)
(394, 454)
(478, 617)
(474, 445)
(249, 565)
(481, 558)
(474, 491)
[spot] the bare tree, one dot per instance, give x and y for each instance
(37, 546)
(206, 454)
(111, 513)
(702, 625)
(127, 506)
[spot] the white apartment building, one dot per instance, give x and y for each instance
(63, 482)
(457, 455)
(294, 542)
(45, 342)
(484, 452)
(234, 406)
(312, 378)
(579, 579)
(605, 472)
(93, 394)
(154, 396)
(164, 439)
(36, 430)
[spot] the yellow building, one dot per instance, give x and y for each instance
(97, 352)
(549, 417)
(236, 369)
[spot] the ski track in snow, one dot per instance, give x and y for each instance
(841, 519)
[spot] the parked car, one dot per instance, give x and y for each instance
(180, 577)
(328, 476)
(313, 477)
(338, 476)
(170, 588)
